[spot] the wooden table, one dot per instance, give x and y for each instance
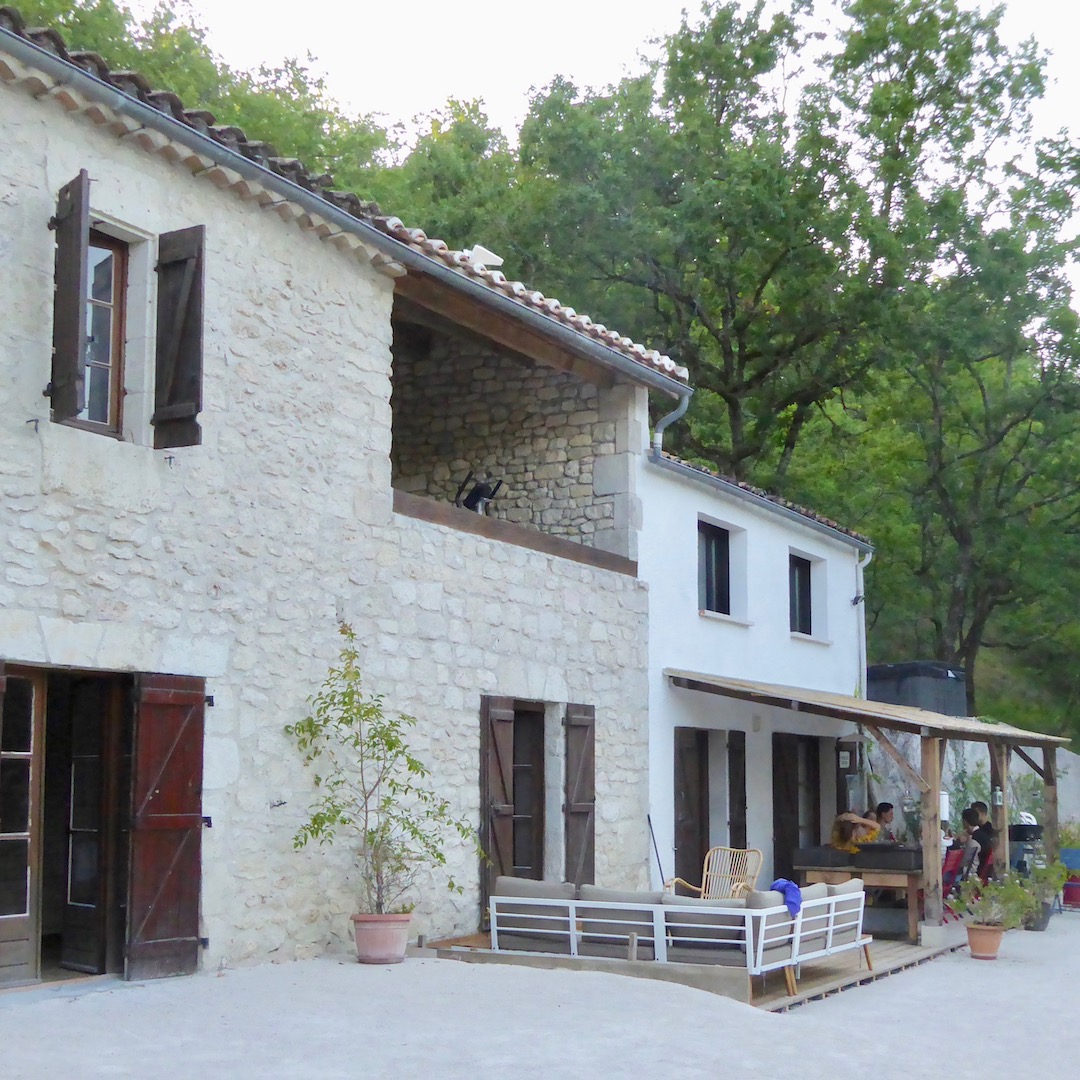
(908, 880)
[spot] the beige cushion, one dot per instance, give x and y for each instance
(853, 885)
(607, 931)
(534, 927)
(546, 890)
(698, 930)
(815, 892)
(764, 898)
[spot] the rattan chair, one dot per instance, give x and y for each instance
(727, 872)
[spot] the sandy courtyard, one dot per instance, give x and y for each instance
(327, 1019)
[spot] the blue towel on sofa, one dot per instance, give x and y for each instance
(792, 894)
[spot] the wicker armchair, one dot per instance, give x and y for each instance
(726, 873)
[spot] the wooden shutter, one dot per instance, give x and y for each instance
(67, 383)
(580, 807)
(178, 387)
(166, 830)
(497, 781)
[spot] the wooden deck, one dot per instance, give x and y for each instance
(824, 978)
(817, 980)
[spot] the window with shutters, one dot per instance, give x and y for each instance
(105, 349)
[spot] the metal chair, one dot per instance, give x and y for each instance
(726, 873)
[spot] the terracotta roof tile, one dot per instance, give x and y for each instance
(266, 156)
(776, 500)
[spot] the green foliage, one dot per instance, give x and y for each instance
(1006, 902)
(1069, 834)
(371, 788)
(1046, 882)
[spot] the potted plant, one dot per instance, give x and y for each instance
(992, 908)
(1069, 843)
(1045, 883)
(374, 791)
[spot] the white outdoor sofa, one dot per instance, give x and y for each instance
(755, 932)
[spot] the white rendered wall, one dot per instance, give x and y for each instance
(234, 559)
(758, 645)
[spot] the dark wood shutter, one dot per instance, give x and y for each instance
(496, 790)
(67, 383)
(179, 371)
(166, 831)
(580, 807)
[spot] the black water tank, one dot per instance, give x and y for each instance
(926, 684)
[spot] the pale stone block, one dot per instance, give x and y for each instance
(183, 655)
(221, 767)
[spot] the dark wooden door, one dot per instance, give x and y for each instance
(579, 810)
(796, 798)
(83, 938)
(166, 827)
(22, 711)
(528, 818)
(691, 802)
(736, 771)
(496, 794)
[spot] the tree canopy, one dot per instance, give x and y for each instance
(855, 242)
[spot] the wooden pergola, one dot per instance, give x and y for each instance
(934, 731)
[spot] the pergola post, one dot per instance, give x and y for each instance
(931, 830)
(999, 814)
(1051, 839)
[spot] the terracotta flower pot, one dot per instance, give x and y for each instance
(984, 941)
(381, 939)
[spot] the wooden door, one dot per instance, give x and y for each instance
(22, 711)
(579, 810)
(796, 798)
(736, 771)
(97, 810)
(496, 794)
(166, 827)
(691, 802)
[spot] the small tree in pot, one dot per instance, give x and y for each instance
(992, 908)
(1046, 883)
(373, 789)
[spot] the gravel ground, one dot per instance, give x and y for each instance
(329, 1018)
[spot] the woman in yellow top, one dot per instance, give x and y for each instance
(849, 831)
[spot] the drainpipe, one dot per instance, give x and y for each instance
(860, 599)
(663, 422)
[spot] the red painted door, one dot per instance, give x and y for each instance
(166, 827)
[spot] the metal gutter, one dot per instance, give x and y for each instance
(90, 86)
(688, 472)
(664, 421)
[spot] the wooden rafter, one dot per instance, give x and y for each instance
(902, 762)
(1031, 763)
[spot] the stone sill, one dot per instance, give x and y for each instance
(719, 616)
(454, 517)
(809, 638)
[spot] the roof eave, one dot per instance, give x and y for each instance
(90, 86)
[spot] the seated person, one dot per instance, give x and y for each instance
(849, 830)
(987, 834)
(884, 815)
(976, 848)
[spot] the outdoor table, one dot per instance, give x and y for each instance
(908, 880)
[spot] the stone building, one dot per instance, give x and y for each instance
(241, 412)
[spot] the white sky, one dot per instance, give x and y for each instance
(406, 57)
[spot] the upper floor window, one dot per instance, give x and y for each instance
(800, 600)
(106, 289)
(714, 568)
(90, 316)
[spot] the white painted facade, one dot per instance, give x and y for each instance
(234, 560)
(754, 643)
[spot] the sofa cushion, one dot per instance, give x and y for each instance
(612, 927)
(535, 927)
(764, 898)
(545, 890)
(815, 892)
(618, 896)
(852, 885)
(709, 929)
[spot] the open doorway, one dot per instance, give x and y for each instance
(100, 823)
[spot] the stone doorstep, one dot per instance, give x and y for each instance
(730, 982)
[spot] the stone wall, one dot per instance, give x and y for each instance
(460, 405)
(233, 560)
